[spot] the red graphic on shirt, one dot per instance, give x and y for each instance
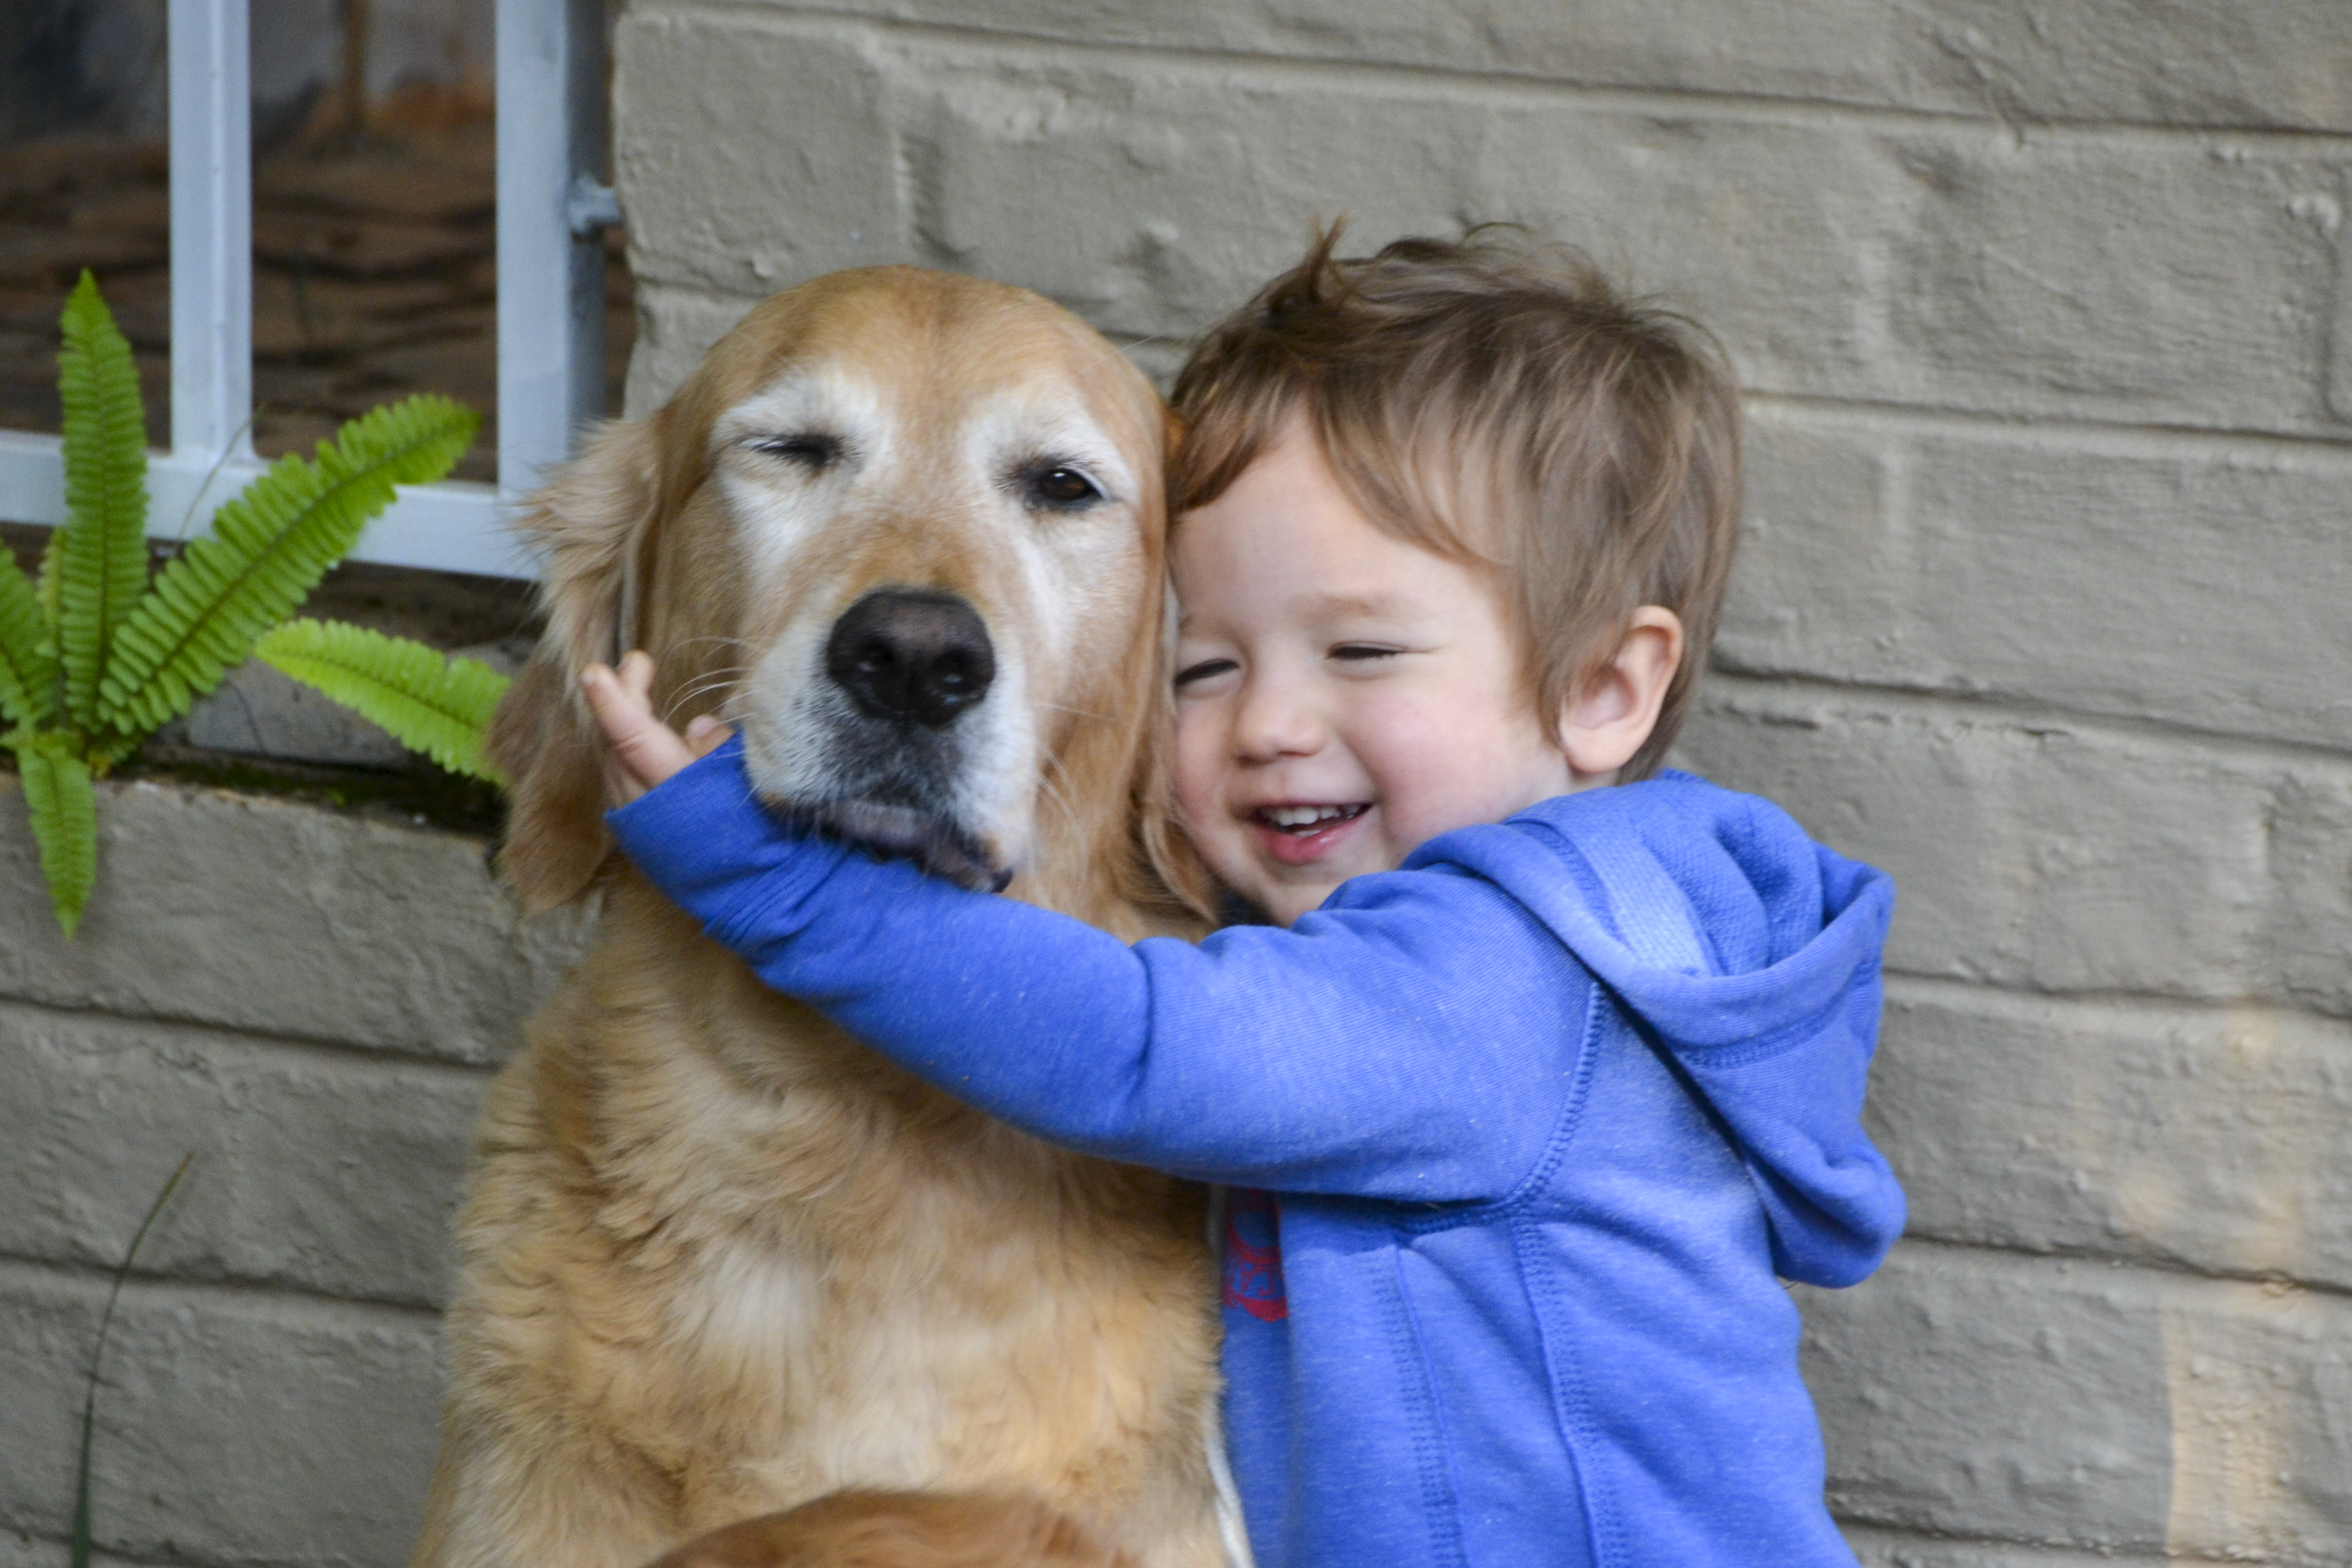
(1253, 1255)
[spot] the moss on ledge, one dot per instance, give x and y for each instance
(423, 796)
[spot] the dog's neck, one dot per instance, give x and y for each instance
(1081, 868)
(1085, 861)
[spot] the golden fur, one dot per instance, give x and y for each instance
(901, 1529)
(718, 1260)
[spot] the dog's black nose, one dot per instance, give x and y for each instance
(912, 656)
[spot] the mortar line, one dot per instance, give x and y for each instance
(2028, 714)
(319, 1045)
(2173, 1267)
(100, 1553)
(2097, 437)
(1986, 997)
(223, 1293)
(181, 1558)
(2154, 1555)
(1666, 103)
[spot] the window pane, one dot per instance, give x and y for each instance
(375, 269)
(374, 212)
(84, 182)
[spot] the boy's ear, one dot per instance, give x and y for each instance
(1613, 713)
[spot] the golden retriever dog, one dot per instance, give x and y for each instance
(901, 1529)
(903, 529)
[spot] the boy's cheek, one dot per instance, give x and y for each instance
(1193, 757)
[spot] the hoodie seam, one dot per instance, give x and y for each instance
(1603, 1541)
(1532, 1185)
(1440, 1508)
(1739, 1053)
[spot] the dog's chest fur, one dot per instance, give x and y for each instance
(772, 1266)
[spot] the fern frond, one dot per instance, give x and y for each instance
(101, 563)
(266, 550)
(64, 810)
(28, 665)
(429, 704)
(52, 568)
(103, 752)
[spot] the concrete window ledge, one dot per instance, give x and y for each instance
(311, 1000)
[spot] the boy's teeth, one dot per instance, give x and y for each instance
(1302, 816)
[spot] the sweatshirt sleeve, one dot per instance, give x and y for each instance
(1415, 1041)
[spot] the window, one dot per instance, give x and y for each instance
(552, 212)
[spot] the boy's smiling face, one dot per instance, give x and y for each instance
(1342, 696)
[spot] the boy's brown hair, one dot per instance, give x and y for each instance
(1496, 401)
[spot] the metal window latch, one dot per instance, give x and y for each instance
(592, 206)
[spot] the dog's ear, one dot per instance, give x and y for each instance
(1165, 872)
(595, 521)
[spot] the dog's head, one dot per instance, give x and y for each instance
(903, 528)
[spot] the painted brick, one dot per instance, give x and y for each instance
(2061, 855)
(324, 1171)
(282, 918)
(2087, 1405)
(2205, 1137)
(2197, 583)
(1903, 1549)
(21, 1549)
(1948, 264)
(2171, 63)
(2110, 279)
(233, 1426)
(675, 326)
(765, 164)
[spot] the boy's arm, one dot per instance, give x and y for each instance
(1369, 1051)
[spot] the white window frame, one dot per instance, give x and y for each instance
(552, 212)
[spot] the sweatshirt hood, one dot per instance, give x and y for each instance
(1749, 956)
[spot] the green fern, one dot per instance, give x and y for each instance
(64, 811)
(102, 558)
(28, 666)
(92, 659)
(53, 556)
(268, 550)
(429, 704)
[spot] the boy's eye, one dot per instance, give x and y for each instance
(1357, 653)
(1207, 669)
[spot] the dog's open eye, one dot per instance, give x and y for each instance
(1049, 487)
(811, 449)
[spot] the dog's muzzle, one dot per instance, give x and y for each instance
(911, 662)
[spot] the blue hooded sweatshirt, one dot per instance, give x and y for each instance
(1525, 1132)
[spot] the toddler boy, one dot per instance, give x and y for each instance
(1533, 1090)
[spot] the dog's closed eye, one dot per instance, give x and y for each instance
(815, 451)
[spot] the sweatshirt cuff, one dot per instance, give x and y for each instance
(703, 839)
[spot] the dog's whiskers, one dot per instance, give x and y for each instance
(1076, 712)
(716, 681)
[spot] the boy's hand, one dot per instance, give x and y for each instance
(641, 750)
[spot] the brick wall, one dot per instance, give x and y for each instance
(310, 1001)
(2046, 319)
